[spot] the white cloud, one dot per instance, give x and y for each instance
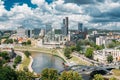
(2, 9)
(54, 13)
(38, 2)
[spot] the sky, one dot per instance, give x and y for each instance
(101, 14)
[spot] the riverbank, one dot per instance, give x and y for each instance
(28, 62)
(25, 61)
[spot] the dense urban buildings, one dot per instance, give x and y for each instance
(101, 55)
(92, 47)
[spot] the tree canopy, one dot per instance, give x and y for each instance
(89, 53)
(27, 53)
(49, 74)
(18, 59)
(67, 52)
(6, 73)
(110, 58)
(70, 75)
(98, 77)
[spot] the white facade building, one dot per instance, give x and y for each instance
(101, 55)
(42, 33)
(100, 40)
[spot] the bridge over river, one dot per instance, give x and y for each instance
(92, 70)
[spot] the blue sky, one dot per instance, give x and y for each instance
(103, 14)
(10, 3)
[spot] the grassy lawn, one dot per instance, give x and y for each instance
(34, 49)
(116, 72)
(24, 63)
(78, 61)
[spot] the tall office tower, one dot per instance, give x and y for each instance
(29, 33)
(48, 28)
(80, 27)
(66, 23)
(85, 30)
(21, 32)
(65, 26)
(63, 21)
(36, 32)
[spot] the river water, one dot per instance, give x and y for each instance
(42, 61)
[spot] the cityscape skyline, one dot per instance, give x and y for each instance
(59, 40)
(103, 14)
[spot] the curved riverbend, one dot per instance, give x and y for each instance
(43, 60)
(30, 64)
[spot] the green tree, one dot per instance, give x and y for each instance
(6, 73)
(21, 75)
(27, 53)
(67, 52)
(73, 48)
(112, 78)
(1, 62)
(49, 74)
(5, 56)
(109, 58)
(15, 40)
(111, 45)
(78, 46)
(89, 53)
(18, 59)
(98, 77)
(99, 47)
(8, 41)
(28, 42)
(70, 75)
(24, 43)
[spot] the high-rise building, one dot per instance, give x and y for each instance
(85, 30)
(80, 27)
(63, 21)
(21, 32)
(48, 28)
(65, 26)
(36, 32)
(29, 33)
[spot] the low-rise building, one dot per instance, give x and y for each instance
(101, 55)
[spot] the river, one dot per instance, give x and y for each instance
(43, 60)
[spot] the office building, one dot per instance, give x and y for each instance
(36, 32)
(65, 26)
(48, 28)
(21, 32)
(29, 33)
(80, 27)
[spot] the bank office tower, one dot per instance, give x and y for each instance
(80, 27)
(65, 26)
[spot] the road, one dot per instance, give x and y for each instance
(86, 59)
